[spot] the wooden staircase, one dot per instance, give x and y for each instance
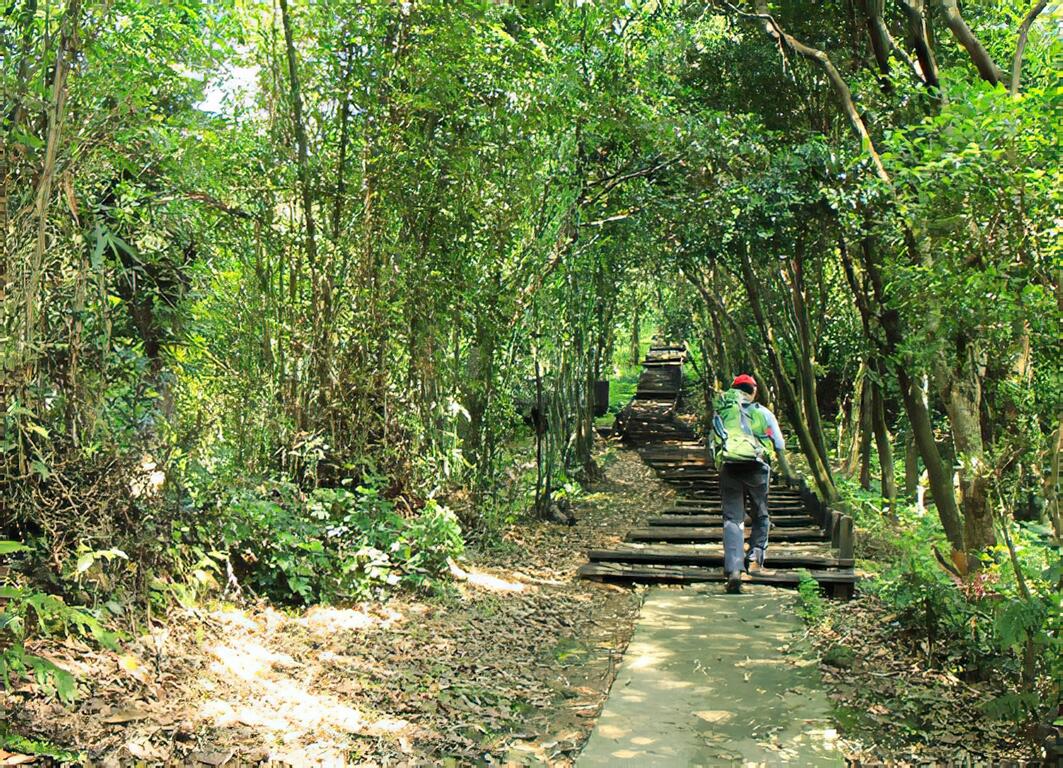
(684, 544)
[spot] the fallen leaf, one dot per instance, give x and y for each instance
(212, 758)
(13, 758)
(128, 715)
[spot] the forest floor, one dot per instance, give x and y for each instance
(512, 664)
(896, 700)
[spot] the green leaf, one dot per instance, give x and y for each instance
(85, 562)
(7, 547)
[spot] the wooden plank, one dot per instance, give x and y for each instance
(694, 534)
(713, 521)
(662, 574)
(714, 510)
(675, 555)
(714, 502)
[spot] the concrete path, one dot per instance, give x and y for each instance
(705, 682)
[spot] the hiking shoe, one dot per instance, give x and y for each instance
(755, 569)
(734, 582)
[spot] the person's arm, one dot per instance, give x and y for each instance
(775, 433)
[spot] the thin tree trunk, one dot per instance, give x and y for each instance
(806, 356)
(884, 449)
(5, 270)
(915, 12)
(856, 412)
(863, 445)
(817, 463)
(1050, 487)
(341, 162)
(911, 466)
(983, 62)
(56, 115)
(634, 342)
(1020, 45)
(913, 397)
(319, 354)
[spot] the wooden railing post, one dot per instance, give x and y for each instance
(846, 539)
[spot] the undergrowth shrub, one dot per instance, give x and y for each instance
(811, 605)
(25, 613)
(333, 544)
(980, 625)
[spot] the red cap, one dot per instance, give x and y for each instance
(745, 378)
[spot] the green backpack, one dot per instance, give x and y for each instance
(737, 430)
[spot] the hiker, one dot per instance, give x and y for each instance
(748, 438)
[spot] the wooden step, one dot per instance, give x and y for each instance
(838, 582)
(710, 494)
(679, 554)
(685, 501)
(715, 521)
(691, 534)
(775, 510)
(714, 497)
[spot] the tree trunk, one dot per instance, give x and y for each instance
(915, 12)
(635, 340)
(817, 463)
(1051, 482)
(884, 449)
(879, 36)
(806, 356)
(913, 397)
(318, 302)
(863, 446)
(4, 269)
(56, 116)
(962, 394)
(939, 476)
(983, 62)
(911, 466)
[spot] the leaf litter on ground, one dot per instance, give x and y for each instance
(511, 665)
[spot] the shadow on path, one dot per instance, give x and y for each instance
(706, 682)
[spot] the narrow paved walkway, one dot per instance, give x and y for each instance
(706, 681)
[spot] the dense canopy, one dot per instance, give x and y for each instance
(305, 296)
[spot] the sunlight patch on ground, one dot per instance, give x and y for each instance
(234, 618)
(484, 580)
(650, 658)
(493, 583)
(285, 707)
(331, 619)
(248, 661)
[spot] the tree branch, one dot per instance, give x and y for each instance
(914, 12)
(841, 88)
(1020, 46)
(983, 62)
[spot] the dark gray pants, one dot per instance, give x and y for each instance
(736, 482)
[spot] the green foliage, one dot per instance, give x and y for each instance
(334, 544)
(13, 742)
(980, 625)
(812, 604)
(25, 613)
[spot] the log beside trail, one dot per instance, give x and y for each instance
(683, 545)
